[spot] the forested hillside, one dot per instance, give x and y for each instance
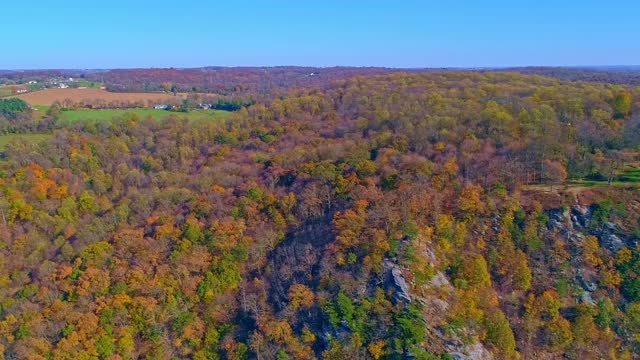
(629, 75)
(244, 81)
(229, 80)
(396, 216)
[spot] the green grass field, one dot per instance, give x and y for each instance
(87, 84)
(630, 174)
(68, 117)
(72, 116)
(35, 87)
(35, 138)
(5, 92)
(40, 111)
(629, 177)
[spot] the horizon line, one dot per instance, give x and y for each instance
(500, 67)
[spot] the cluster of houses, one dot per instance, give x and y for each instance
(22, 90)
(64, 84)
(51, 83)
(170, 107)
(14, 90)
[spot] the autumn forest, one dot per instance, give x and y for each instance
(350, 214)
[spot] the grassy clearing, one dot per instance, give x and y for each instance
(629, 177)
(630, 174)
(596, 183)
(5, 92)
(87, 84)
(71, 116)
(35, 87)
(34, 138)
(40, 112)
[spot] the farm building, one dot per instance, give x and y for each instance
(14, 90)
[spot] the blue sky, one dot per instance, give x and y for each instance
(190, 33)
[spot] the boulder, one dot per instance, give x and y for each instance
(474, 351)
(612, 242)
(586, 298)
(440, 280)
(397, 282)
(580, 216)
(401, 286)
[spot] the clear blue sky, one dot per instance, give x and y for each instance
(190, 33)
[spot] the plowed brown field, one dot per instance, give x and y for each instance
(48, 96)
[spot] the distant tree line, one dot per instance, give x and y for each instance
(231, 105)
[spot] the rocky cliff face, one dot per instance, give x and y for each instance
(433, 297)
(571, 225)
(574, 225)
(578, 222)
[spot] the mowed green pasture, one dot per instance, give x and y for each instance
(87, 84)
(73, 116)
(40, 111)
(628, 177)
(5, 92)
(630, 174)
(69, 117)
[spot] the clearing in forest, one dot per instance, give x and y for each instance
(72, 116)
(33, 138)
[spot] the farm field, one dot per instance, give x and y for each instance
(8, 90)
(68, 117)
(87, 84)
(5, 139)
(49, 96)
(5, 91)
(40, 111)
(71, 116)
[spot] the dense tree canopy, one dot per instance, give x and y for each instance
(382, 217)
(11, 107)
